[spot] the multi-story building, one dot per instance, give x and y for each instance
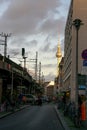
(77, 10)
(60, 79)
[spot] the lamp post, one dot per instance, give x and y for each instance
(77, 23)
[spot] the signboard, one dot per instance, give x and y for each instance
(82, 87)
(84, 62)
(84, 54)
(81, 79)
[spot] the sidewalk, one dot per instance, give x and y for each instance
(66, 122)
(3, 114)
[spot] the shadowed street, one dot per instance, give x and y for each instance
(34, 118)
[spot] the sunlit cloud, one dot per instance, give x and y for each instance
(35, 26)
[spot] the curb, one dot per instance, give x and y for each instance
(9, 113)
(4, 115)
(65, 126)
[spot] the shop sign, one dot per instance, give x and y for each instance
(84, 62)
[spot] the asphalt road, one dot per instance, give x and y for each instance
(32, 118)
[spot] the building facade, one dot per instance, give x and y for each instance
(60, 79)
(50, 89)
(77, 10)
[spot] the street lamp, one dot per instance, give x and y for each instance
(77, 23)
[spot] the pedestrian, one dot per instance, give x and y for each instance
(39, 101)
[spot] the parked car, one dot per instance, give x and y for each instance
(32, 99)
(45, 99)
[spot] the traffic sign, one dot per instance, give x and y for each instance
(84, 62)
(84, 54)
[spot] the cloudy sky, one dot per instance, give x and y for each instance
(35, 25)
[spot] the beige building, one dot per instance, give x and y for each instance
(50, 89)
(78, 10)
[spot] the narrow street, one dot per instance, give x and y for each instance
(32, 118)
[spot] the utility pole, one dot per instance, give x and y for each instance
(36, 66)
(39, 72)
(5, 42)
(35, 60)
(24, 61)
(42, 78)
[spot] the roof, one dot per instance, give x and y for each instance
(50, 84)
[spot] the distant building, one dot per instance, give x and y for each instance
(45, 85)
(49, 89)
